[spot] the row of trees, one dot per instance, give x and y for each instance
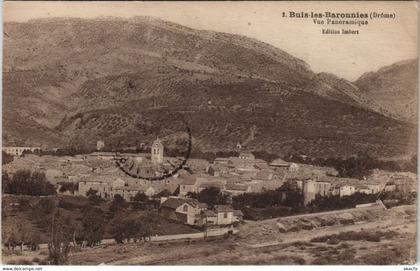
(356, 166)
(25, 182)
(321, 204)
(22, 236)
(123, 226)
(126, 227)
(287, 195)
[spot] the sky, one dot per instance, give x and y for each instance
(380, 43)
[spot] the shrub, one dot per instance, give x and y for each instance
(333, 241)
(118, 204)
(356, 236)
(24, 204)
(344, 245)
(67, 205)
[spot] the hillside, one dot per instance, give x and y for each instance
(332, 87)
(127, 81)
(393, 89)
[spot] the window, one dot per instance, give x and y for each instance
(225, 215)
(185, 208)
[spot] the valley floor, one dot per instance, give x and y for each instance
(260, 243)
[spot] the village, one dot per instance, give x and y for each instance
(119, 199)
(232, 176)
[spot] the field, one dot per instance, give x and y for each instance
(383, 237)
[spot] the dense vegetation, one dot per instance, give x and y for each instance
(321, 204)
(288, 200)
(25, 182)
(356, 166)
(211, 196)
(6, 158)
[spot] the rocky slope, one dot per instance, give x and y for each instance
(74, 80)
(393, 89)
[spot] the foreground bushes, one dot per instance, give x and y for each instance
(355, 236)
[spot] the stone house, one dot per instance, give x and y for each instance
(224, 214)
(374, 187)
(363, 189)
(18, 151)
(187, 211)
(346, 190)
(209, 217)
(279, 163)
(323, 188)
(195, 213)
(195, 184)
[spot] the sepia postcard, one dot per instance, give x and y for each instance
(209, 133)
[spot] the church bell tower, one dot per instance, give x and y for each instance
(157, 152)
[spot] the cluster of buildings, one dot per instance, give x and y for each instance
(232, 175)
(311, 188)
(192, 212)
(18, 151)
(404, 183)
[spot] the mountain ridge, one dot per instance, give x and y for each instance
(82, 77)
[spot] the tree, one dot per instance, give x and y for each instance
(139, 201)
(93, 197)
(11, 241)
(124, 228)
(46, 205)
(212, 196)
(119, 203)
(5, 179)
(266, 156)
(23, 235)
(140, 196)
(35, 240)
(287, 195)
(6, 158)
(163, 193)
(93, 225)
(61, 235)
(25, 182)
(150, 220)
(137, 227)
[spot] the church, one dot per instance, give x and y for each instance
(157, 152)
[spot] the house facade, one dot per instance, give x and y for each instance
(187, 211)
(192, 212)
(18, 151)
